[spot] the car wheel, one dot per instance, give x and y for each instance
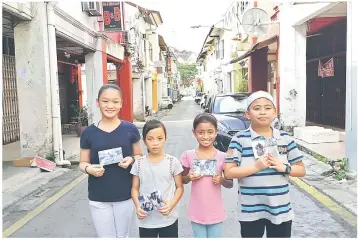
(170, 106)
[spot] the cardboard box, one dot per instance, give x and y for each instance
(23, 162)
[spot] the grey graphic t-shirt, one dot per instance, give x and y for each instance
(157, 177)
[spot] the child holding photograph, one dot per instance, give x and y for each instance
(206, 207)
(115, 142)
(158, 176)
(264, 187)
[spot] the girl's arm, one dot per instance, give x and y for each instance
(137, 150)
(179, 189)
(185, 175)
(227, 183)
(84, 159)
(135, 191)
(169, 205)
(141, 214)
(87, 167)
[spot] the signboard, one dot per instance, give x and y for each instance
(112, 16)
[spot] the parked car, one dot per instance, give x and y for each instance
(167, 102)
(229, 110)
(198, 97)
(206, 103)
(203, 99)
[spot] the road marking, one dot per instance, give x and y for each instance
(48, 202)
(326, 201)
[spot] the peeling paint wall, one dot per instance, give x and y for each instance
(33, 84)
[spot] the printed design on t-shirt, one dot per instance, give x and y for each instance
(204, 167)
(110, 156)
(149, 202)
(282, 149)
(262, 147)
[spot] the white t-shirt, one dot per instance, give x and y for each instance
(157, 177)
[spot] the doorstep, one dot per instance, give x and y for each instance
(331, 151)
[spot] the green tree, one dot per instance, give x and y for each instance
(187, 73)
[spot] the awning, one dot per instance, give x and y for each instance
(255, 47)
(151, 17)
(316, 24)
(213, 33)
(163, 46)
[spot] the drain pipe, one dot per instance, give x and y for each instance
(55, 101)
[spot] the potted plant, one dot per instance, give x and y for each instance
(81, 115)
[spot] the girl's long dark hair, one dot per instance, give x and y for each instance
(205, 117)
(108, 86)
(153, 124)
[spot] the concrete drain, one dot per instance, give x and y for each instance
(41, 192)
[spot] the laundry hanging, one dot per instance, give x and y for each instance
(327, 69)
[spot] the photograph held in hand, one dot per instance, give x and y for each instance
(264, 147)
(205, 167)
(110, 156)
(149, 202)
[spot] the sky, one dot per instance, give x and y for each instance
(178, 16)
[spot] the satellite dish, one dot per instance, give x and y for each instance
(256, 22)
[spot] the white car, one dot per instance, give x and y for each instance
(167, 102)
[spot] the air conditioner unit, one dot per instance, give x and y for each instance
(93, 9)
(127, 38)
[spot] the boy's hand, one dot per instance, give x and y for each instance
(262, 163)
(218, 179)
(167, 208)
(193, 176)
(276, 163)
(141, 214)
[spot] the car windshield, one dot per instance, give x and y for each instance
(230, 104)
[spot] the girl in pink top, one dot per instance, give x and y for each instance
(203, 167)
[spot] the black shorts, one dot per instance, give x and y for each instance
(256, 229)
(164, 232)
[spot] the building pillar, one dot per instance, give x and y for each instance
(148, 92)
(124, 77)
(138, 97)
(351, 142)
(104, 62)
(292, 71)
(94, 81)
(155, 92)
(33, 84)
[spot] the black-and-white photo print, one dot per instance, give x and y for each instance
(263, 147)
(205, 167)
(110, 156)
